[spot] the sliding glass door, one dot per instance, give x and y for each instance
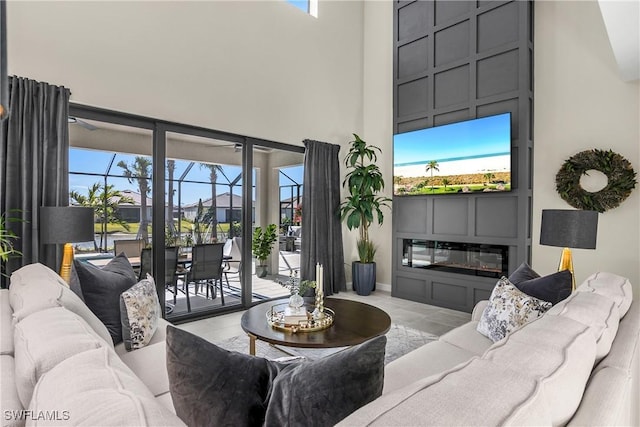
(203, 188)
(181, 191)
(277, 204)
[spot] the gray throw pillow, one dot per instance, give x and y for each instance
(101, 288)
(212, 386)
(522, 273)
(323, 392)
(552, 288)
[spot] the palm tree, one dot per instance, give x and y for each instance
(445, 182)
(488, 177)
(138, 170)
(431, 166)
(104, 201)
(213, 178)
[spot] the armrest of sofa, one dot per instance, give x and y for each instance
(476, 314)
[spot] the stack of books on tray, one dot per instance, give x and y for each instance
(295, 315)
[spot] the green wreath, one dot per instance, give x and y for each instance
(621, 179)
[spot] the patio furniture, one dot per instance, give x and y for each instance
(206, 267)
(170, 271)
(132, 248)
(233, 258)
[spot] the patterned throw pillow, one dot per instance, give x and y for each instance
(139, 313)
(508, 309)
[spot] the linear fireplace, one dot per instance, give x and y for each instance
(474, 259)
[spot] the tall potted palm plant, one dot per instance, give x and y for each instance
(261, 246)
(362, 207)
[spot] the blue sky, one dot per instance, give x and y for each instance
(300, 4)
(94, 161)
(480, 137)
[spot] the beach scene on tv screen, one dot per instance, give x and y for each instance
(464, 157)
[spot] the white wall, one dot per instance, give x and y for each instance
(582, 103)
(259, 68)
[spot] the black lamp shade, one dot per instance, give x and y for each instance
(569, 228)
(66, 224)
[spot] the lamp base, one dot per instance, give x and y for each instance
(566, 263)
(67, 262)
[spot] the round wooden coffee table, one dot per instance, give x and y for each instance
(354, 323)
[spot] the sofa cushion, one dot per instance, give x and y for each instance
(468, 338)
(599, 313)
(36, 287)
(604, 399)
(44, 339)
(150, 365)
(9, 399)
(461, 397)
(626, 345)
(427, 360)
(96, 388)
(558, 352)
(6, 324)
(552, 288)
(210, 383)
(612, 286)
(139, 313)
(159, 336)
(509, 309)
(102, 287)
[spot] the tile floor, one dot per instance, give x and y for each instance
(428, 318)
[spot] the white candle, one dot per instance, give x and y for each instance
(320, 281)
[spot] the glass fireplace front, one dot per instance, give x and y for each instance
(474, 259)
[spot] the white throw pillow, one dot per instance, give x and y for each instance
(139, 313)
(508, 309)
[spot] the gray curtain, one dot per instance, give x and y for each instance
(321, 227)
(34, 164)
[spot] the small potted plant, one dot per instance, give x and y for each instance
(261, 246)
(363, 204)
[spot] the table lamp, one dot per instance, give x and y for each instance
(569, 228)
(66, 224)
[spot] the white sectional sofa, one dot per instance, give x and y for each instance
(60, 367)
(576, 365)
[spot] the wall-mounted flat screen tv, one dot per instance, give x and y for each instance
(464, 157)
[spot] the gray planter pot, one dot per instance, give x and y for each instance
(261, 271)
(364, 277)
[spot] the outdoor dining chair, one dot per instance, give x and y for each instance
(233, 258)
(206, 267)
(170, 271)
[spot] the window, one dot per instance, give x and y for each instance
(308, 6)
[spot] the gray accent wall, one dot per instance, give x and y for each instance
(454, 61)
